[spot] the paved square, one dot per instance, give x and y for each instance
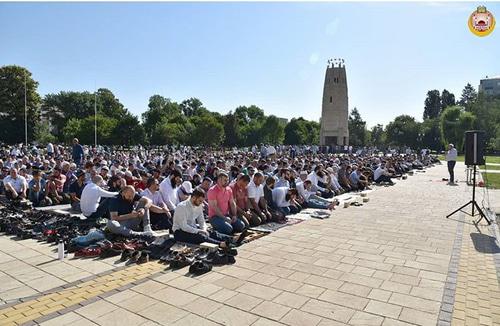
(394, 261)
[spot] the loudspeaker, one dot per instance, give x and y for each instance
(474, 147)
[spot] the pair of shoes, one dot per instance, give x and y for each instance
(180, 261)
(199, 267)
(89, 252)
(220, 258)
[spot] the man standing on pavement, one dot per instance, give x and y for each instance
(451, 158)
(77, 153)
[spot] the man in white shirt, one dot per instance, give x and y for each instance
(451, 158)
(382, 175)
(311, 199)
(160, 216)
(15, 185)
(169, 187)
(189, 222)
(91, 196)
(256, 198)
(284, 198)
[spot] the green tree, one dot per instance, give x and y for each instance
(192, 106)
(433, 105)
(357, 129)
(487, 112)
(447, 99)
(43, 135)
(166, 133)
(12, 104)
(160, 110)
(273, 131)
(72, 129)
(296, 132)
(431, 134)
(250, 120)
(469, 95)
(207, 131)
(231, 130)
(403, 131)
(377, 135)
(454, 122)
(61, 107)
(128, 131)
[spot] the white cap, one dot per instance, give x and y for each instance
(187, 186)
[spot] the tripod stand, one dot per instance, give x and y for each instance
(473, 202)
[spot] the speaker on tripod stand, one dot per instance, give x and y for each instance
(474, 155)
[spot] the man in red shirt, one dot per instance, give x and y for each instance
(222, 212)
(240, 193)
(55, 187)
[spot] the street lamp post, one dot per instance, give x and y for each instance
(95, 119)
(25, 113)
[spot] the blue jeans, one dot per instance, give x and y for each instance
(220, 224)
(317, 202)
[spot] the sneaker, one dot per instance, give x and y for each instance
(150, 233)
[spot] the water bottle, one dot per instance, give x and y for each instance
(60, 250)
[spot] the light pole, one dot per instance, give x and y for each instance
(25, 113)
(95, 119)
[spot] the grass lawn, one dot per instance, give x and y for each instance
(489, 159)
(493, 180)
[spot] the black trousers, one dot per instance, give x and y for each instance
(160, 221)
(383, 178)
(451, 166)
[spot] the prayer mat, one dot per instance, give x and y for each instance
(273, 226)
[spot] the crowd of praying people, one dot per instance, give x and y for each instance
(198, 194)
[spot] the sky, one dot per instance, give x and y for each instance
(272, 55)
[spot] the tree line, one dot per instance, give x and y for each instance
(444, 121)
(59, 117)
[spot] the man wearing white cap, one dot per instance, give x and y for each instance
(184, 191)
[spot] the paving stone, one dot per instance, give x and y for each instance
(418, 317)
(163, 313)
(291, 300)
(174, 296)
(300, 318)
(328, 310)
(310, 290)
(344, 299)
(271, 310)
(66, 319)
(120, 317)
(259, 291)
(203, 306)
(230, 316)
(411, 301)
(383, 309)
(243, 301)
(96, 309)
(266, 322)
(365, 319)
(194, 320)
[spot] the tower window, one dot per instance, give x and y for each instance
(331, 99)
(328, 81)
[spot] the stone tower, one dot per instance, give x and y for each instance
(335, 111)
